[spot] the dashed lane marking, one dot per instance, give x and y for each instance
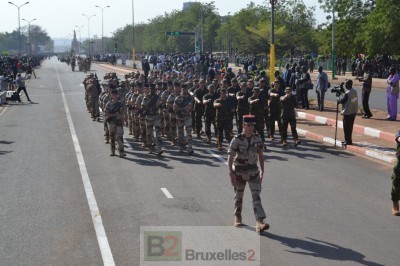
(220, 158)
(166, 192)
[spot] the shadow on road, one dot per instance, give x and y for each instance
(321, 249)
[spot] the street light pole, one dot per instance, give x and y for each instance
(19, 25)
(333, 40)
(133, 38)
(102, 27)
(88, 17)
(80, 37)
(29, 32)
(272, 50)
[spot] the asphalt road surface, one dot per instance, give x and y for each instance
(65, 201)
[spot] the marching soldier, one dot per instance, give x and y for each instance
(137, 104)
(257, 109)
(150, 107)
(182, 107)
(172, 114)
(288, 117)
(130, 107)
(274, 109)
(114, 118)
(165, 112)
(225, 109)
(142, 115)
(104, 99)
(243, 107)
(210, 111)
(199, 107)
(244, 152)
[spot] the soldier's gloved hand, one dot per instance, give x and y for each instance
(233, 178)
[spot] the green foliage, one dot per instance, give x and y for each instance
(5, 53)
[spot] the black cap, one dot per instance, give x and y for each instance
(114, 92)
(152, 86)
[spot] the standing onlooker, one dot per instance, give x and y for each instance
(21, 85)
(349, 112)
(305, 84)
(287, 74)
(366, 80)
(392, 94)
(321, 87)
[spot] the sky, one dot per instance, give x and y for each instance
(59, 17)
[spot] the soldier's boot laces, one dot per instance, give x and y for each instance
(238, 220)
(261, 226)
(395, 208)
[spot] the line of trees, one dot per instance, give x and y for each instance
(361, 26)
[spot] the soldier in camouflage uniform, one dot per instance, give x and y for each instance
(225, 109)
(257, 109)
(210, 111)
(165, 112)
(172, 114)
(244, 152)
(134, 98)
(150, 107)
(199, 107)
(130, 107)
(104, 99)
(94, 90)
(288, 116)
(183, 108)
(142, 116)
(395, 193)
(114, 117)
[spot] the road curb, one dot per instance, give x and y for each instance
(353, 148)
(369, 131)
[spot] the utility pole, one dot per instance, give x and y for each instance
(19, 25)
(29, 32)
(102, 27)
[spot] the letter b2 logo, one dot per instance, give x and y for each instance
(162, 246)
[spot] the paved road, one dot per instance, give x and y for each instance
(325, 206)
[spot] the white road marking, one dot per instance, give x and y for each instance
(217, 156)
(166, 192)
(94, 209)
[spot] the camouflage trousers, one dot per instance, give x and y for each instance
(167, 129)
(172, 126)
(255, 188)
(136, 125)
(185, 125)
(105, 128)
(143, 134)
(162, 122)
(94, 108)
(153, 124)
(395, 185)
(116, 135)
(285, 122)
(130, 121)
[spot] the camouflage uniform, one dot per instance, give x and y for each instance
(210, 113)
(150, 105)
(243, 155)
(224, 108)
(165, 113)
(104, 99)
(141, 119)
(172, 117)
(182, 108)
(115, 125)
